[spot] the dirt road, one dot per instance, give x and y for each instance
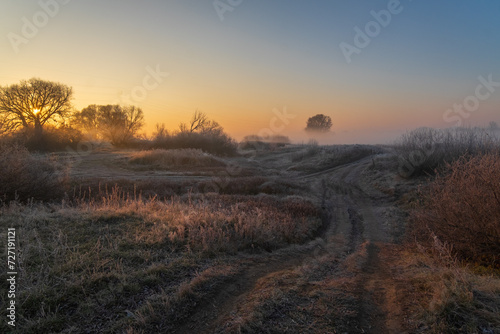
(369, 295)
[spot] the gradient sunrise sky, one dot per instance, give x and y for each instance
(238, 60)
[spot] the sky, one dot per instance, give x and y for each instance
(377, 68)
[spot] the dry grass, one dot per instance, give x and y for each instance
(165, 188)
(263, 143)
(161, 312)
(217, 223)
(451, 258)
(462, 209)
(53, 139)
(24, 176)
(423, 150)
(447, 297)
(123, 263)
(314, 158)
(166, 159)
(305, 153)
(217, 143)
(291, 301)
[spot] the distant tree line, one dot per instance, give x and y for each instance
(201, 133)
(39, 114)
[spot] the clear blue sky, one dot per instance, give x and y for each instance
(264, 55)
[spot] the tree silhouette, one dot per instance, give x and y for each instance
(198, 121)
(319, 123)
(87, 120)
(111, 122)
(34, 103)
(201, 124)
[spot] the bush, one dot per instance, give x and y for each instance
(306, 153)
(423, 150)
(215, 143)
(462, 209)
(24, 176)
(176, 158)
(52, 139)
(263, 143)
(279, 139)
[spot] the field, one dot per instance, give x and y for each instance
(289, 239)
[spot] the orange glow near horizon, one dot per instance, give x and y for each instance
(240, 70)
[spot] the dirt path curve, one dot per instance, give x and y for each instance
(352, 209)
(374, 288)
(213, 314)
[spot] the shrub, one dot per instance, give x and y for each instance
(176, 158)
(268, 139)
(306, 153)
(257, 145)
(462, 209)
(52, 139)
(263, 143)
(425, 149)
(217, 143)
(24, 176)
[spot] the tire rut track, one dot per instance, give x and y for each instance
(211, 315)
(349, 211)
(373, 287)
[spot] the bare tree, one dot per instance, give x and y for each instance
(319, 123)
(198, 121)
(134, 120)
(34, 103)
(183, 128)
(111, 122)
(161, 132)
(87, 120)
(119, 124)
(212, 128)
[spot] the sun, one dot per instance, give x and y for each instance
(36, 111)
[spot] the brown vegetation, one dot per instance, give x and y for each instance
(152, 253)
(24, 176)
(217, 143)
(176, 158)
(451, 256)
(423, 150)
(118, 262)
(462, 209)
